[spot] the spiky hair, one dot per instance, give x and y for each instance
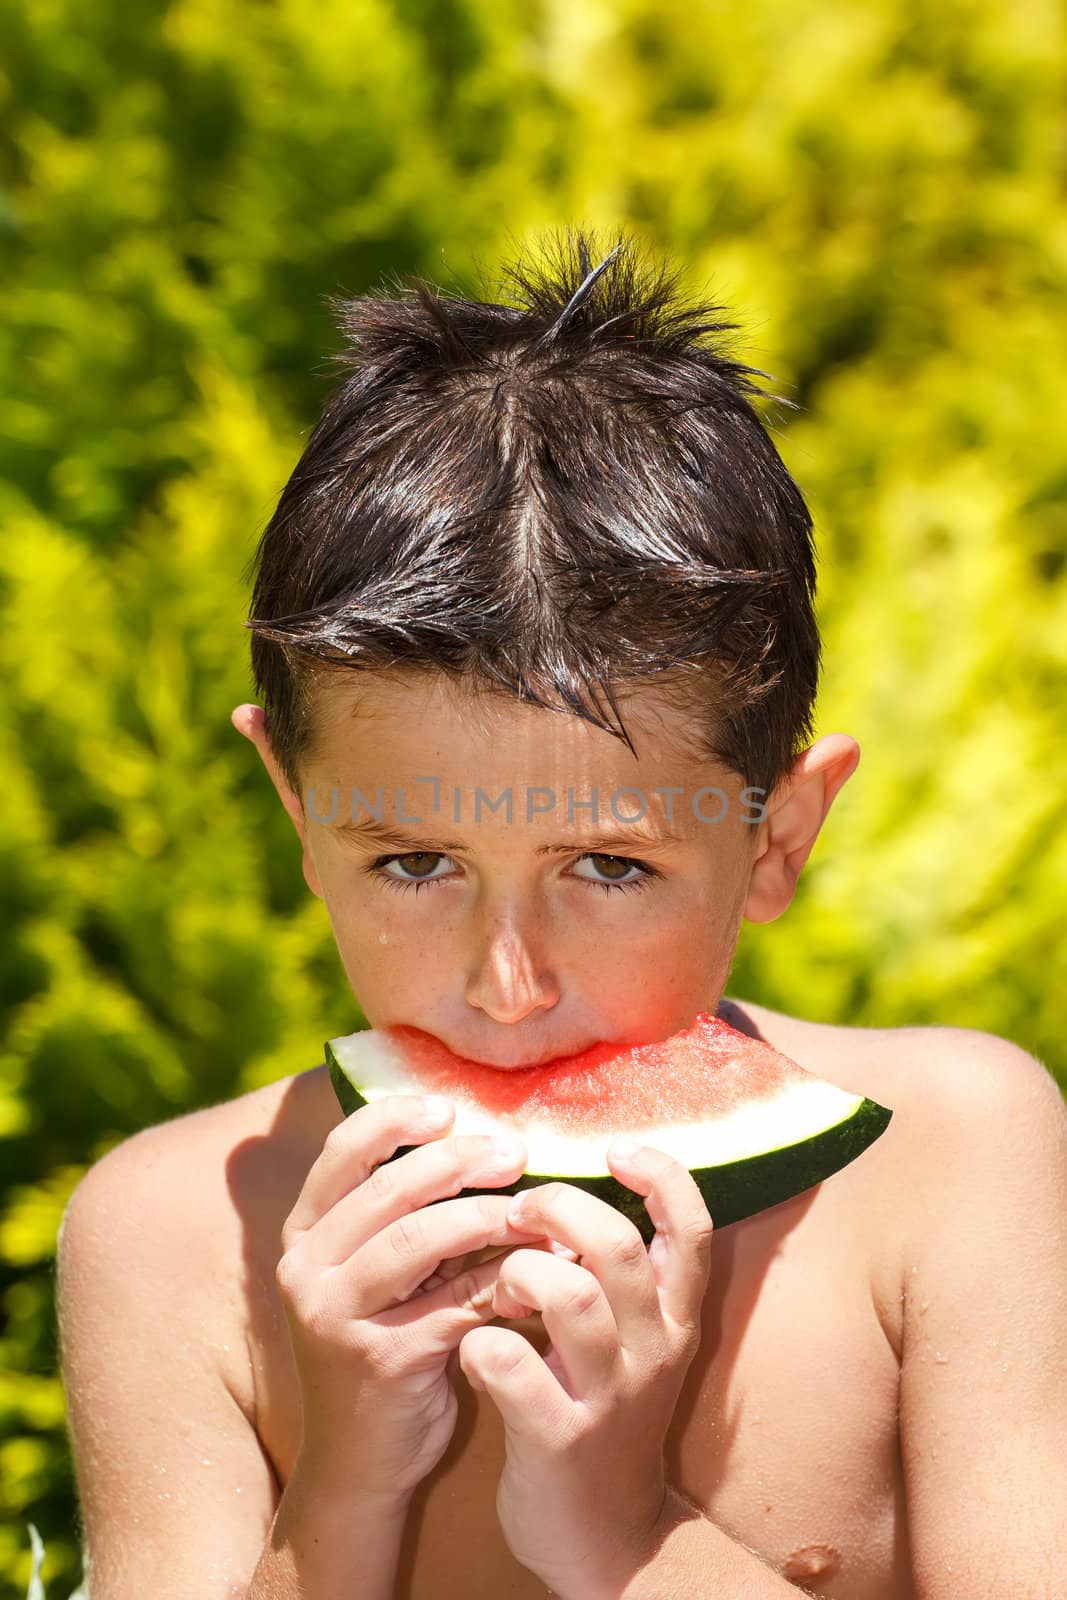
(553, 498)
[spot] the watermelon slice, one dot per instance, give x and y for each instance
(752, 1126)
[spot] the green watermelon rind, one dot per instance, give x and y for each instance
(731, 1191)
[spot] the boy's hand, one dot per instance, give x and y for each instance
(584, 1484)
(376, 1300)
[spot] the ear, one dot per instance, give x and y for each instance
(249, 720)
(796, 810)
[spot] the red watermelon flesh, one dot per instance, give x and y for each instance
(752, 1126)
(612, 1086)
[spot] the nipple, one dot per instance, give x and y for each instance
(812, 1561)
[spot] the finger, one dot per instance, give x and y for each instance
(388, 1269)
(528, 1397)
(575, 1313)
(607, 1244)
(451, 1268)
(433, 1172)
(351, 1151)
(440, 1317)
(680, 1253)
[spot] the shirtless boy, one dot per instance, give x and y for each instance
(550, 544)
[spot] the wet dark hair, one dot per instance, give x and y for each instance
(557, 499)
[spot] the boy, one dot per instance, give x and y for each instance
(548, 547)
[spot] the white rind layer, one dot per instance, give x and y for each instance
(800, 1110)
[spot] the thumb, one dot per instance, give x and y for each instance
(528, 1396)
(483, 1351)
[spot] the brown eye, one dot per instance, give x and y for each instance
(408, 876)
(615, 865)
(615, 877)
(409, 862)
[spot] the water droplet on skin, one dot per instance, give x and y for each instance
(206, 1462)
(383, 937)
(942, 1361)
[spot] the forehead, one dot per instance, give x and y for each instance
(401, 715)
(449, 759)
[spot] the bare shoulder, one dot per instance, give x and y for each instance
(162, 1249)
(215, 1186)
(966, 1105)
(954, 1093)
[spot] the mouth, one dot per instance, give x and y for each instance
(543, 1060)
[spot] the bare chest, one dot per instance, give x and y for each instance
(785, 1432)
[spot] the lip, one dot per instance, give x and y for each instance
(512, 1066)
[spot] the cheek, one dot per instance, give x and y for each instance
(375, 941)
(654, 974)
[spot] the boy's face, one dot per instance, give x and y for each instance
(537, 936)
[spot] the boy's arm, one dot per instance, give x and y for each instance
(177, 1497)
(984, 1359)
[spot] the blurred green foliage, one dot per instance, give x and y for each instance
(876, 186)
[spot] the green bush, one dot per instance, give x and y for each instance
(868, 184)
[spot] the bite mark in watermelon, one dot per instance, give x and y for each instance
(753, 1127)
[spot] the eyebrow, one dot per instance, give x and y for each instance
(610, 842)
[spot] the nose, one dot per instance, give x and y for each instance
(511, 979)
